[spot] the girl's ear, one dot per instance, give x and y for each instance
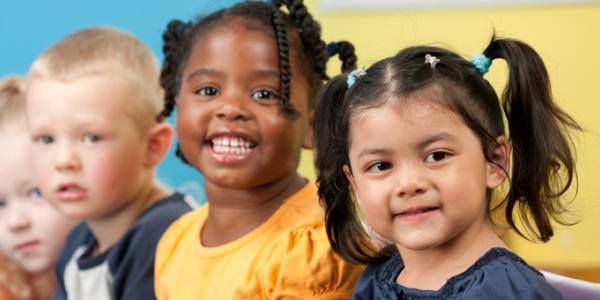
(349, 176)
(497, 167)
(308, 135)
(159, 142)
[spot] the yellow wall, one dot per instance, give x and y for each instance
(567, 38)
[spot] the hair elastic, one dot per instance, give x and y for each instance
(332, 49)
(482, 63)
(354, 75)
(432, 60)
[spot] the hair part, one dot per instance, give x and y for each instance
(112, 52)
(543, 165)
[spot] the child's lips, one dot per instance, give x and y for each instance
(418, 213)
(70, 191)
(27, 246)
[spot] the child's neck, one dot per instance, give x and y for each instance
(234, 213)
(429, 269)
(108, 229)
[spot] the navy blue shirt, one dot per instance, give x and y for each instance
(125, 270)
(498, 274)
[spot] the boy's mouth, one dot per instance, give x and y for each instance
(71, 191)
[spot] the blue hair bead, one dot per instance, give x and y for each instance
(482, 63)
(332, 49)
(354, 75)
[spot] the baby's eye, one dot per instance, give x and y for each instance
(91, 138)
(379, 167)
(44, 139)
(2, 203)
(34, 193)
(436, 156)
(207, 91)
(264, 94)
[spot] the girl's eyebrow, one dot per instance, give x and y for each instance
(438, 137)
(202, 72)
(265, 73)
(373, 151)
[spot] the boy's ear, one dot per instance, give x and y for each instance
(497, 169)
(159, 142)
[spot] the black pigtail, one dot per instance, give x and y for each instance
(543, 160)
(345, 51)
(172, 44)
(284, 63)
(310, 32)
(173, 39)
(343, 224)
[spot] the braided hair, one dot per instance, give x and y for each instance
(180, 37)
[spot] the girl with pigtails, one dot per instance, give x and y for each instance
(413, 148)
(244, 82)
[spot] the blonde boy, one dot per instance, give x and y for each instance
(92, 103)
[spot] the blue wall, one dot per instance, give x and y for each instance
(28, 27)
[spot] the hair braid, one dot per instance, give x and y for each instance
(310, 33)
(172, 38)
(284, 63)
(345, 51)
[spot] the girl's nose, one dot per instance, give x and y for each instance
(233, 107)
(411, 181)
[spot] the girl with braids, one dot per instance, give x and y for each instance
(244, 81)
(426, 185)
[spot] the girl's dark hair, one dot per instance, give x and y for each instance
(295, 29)
(543, 165)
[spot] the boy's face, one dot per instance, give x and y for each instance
(230, 124)
(88, 151)
(32, 232)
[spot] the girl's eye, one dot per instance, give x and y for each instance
(436, 156)
(264, 95)
(91, 138)
(35, 193)
(44, 139)
(379, 167)
(207, 91)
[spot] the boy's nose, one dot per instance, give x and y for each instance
(17, 218)
(66, 158)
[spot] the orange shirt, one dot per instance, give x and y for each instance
(287, 257)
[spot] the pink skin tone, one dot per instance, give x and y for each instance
(423, 186)
(32, 232)
(92, 159)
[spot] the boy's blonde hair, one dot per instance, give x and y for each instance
(12, 101)
(107, 51)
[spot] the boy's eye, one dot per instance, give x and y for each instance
(264, 95)
(207, 91)
(44, 139)
(379, 167)
(34, 193)
(436, 156)
(91, 138)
